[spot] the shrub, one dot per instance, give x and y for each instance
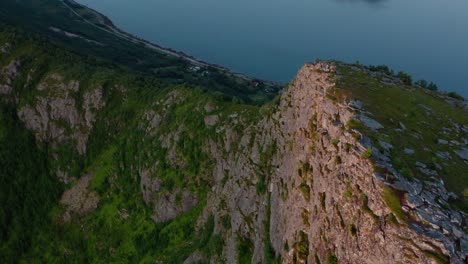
(355, 124)
(245, 249)
(305, 189)
(421, 83)
(405, 78)
(432, 86)
(302, 246)
(317, 259)
(456, 96)
(331, 259)
(368, 153)
(424, 84)
(322, 200)
(381, 68)
(335, 142)
(352, 230)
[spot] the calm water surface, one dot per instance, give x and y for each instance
(271, 39)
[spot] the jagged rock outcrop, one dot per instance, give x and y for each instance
(9, 73)
(325, 198)
(55, 115)
(79, 199)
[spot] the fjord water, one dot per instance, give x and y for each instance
(271, 39)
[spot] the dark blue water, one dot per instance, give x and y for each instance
(271, 39)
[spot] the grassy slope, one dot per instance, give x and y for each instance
(117, 144)
(39, 15)
(391, 104)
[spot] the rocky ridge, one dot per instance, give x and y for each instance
(324, 193)
(329, 192)
(298, 183)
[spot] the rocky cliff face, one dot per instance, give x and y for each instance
(303, 181)
(325, 198)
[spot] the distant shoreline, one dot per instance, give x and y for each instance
(111, 28)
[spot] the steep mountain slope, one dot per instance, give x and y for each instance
(102, 164)
(91, 34)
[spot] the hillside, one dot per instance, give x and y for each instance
(102, 162)
(90, 34)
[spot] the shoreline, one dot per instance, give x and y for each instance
(111, 28)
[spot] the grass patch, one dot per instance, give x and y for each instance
(305, 190)
(392, 199)
(331, 259)
(426, 118)
(245, 249)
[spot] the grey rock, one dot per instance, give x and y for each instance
(425, 107)
(356, 104)
(79, 199)
(195, 258)
(465, 128)
(457, 232)
(443, 155)
(421, 165)
(387, 146)
(464, 244)
(211, 120)
(5, 48)
(370, 123)
(409, 151)
(442, 142)
(414, 201)
(167, 208)
(462, 153)
(413, 187)
(402, 126)
(428, 172)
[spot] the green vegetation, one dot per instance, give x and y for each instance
(305, 190)
(437, 256)
(348, 193)
(404, 112)
(302, 246)
(392, 199)
(322, 197)
(368, 153)
(352, 230)
(355, 124)
(405, 78)
(244, 250)
(264, 168)
(119, 148)
(382, 69)
(424, 84)
(103, 44)
(456, 96)
(317, 259)
(128, 143)
(331, 259)
(269, 251)
(27, 190)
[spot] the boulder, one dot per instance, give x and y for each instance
(462, 153)
(370, 123)
(442, 142)
(409, 151)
